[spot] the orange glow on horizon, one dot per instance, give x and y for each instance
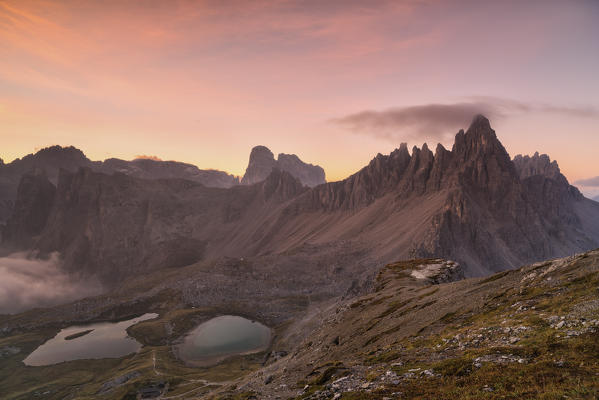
(203, 82)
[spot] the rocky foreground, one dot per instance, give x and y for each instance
(418, 331)
(528, 333)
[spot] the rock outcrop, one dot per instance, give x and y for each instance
(538, 165)
(262, 162)
(310, 175)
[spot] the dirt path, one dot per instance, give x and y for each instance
(154, 363)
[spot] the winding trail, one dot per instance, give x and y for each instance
(154, 363)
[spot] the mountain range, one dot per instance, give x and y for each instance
(314, 262)
(53, 159)
(472, 204)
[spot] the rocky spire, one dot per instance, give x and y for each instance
(538, 165)
(262, 162)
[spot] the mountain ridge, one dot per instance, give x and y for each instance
(54, 158)
(469, 204)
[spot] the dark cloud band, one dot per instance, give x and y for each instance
(592, 182)
(435, 121)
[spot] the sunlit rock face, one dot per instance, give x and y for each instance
(438, 271)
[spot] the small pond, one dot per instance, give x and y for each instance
(100, 340)
(221, 337)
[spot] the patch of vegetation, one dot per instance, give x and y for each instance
(454, 367)
(422, 296)
(495, 277)
(384, 357)
(393, 306)
(379, 300)
(448, 317)
(361, 302)
(328, 374)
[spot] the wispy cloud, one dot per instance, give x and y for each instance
(28, 282)
(436, 121)
(147, 157)
(592, 182)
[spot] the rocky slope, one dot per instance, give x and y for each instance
(472, 204)
(526, 333)
(262, 162)
(419, 331)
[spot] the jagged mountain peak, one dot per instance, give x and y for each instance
(56, 155)
(261, 151)
(479, 139)
(538, 164)
(440, 149)
(480, 122)
(281, 184)
(60, 149)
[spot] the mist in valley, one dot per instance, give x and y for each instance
(27, 282)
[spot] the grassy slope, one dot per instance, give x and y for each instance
(529, 333)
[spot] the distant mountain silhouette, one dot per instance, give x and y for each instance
(262, 162)
(52, 159)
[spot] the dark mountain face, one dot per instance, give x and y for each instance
(52, 159)
(262, 162)
(472, 204)
(35, 198)
(115, 225)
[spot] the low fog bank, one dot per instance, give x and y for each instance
(27, 282)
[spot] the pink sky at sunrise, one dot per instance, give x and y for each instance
(205, 81)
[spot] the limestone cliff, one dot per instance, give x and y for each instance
(262, 162)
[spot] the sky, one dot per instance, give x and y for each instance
(335, 82)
